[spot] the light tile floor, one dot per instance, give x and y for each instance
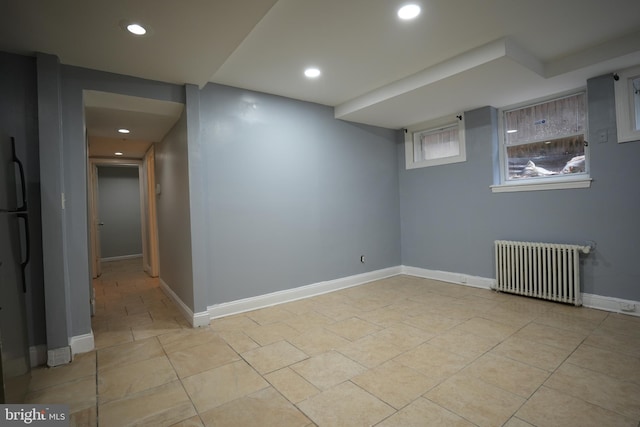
(402, 351)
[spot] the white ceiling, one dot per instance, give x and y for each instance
(457, 55)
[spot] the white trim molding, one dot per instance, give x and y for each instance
(81, 343)
(616, 305)
(628, 129)
(196, 320)
(200, 319)
(289, 295)
(439, 126)
(446, 276)
(599, 302)
(120, 258)
(59, 356)
(558, 184)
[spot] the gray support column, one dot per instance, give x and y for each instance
(198, 206)
(52, 198)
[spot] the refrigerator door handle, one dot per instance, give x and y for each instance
(27, 255)
(23, 205)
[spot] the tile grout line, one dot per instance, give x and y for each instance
(181, 383)
(551, 373)
(601, 373)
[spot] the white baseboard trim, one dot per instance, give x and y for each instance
(81, 343)
(38, 355)
(196, 320)
(289, 295)
(59, 356)
(616, 305)
(200, 319)
(612, 304)
(120, 258)
(446, 276)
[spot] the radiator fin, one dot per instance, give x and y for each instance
(548, 271)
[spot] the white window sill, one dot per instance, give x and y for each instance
(538, 186)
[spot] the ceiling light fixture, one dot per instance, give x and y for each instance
(312, 73)
(123, 130)
(117, 153)
(409, 11)
(136, 29)
(512, 130)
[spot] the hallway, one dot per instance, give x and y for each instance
(130, 307)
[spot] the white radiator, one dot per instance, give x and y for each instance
(543, 270)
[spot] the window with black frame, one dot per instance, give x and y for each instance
(545, 141)
(434, 143)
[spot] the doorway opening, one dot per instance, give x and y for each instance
(119, 213)
(120, 134)
(123, 214)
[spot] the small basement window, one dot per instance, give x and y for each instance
(435, 143)
(545, 143)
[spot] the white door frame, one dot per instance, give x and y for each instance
(148, 189)
(147, 210)
(94, 250)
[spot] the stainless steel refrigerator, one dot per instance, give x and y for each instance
(14, 256)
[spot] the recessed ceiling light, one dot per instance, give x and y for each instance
(312, 73)
(512, 131)
(136, 29)
(409, 11)
(123, 130)
(117, 153)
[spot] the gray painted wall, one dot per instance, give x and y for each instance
(172, 206)
(19, 118)
(73, 81)
(63, 170)
(198, 208)
(450, 217)
(294, 196)
(290, 196)
(119, 211)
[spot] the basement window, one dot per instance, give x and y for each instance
(435, 143)
(543, 145)
(627, 88)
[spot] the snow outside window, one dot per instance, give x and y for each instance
(545, 141)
